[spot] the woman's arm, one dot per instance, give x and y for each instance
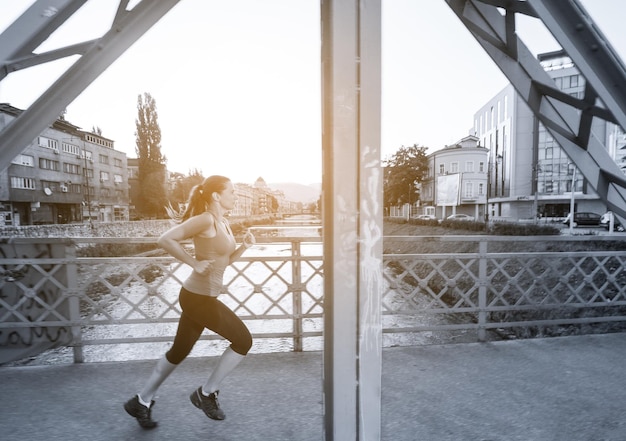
(247, 242)
(170, 240)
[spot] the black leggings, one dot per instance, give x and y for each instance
(199, 312)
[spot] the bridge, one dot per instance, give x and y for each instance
(351, 146)
(560, 389)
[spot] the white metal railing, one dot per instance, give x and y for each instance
(50, 297)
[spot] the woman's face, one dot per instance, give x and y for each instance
(227, 196)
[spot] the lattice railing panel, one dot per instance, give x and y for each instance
(556, 279)
(135, 289)
(436, 283)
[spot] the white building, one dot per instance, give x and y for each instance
(457, 180)
(530, 173)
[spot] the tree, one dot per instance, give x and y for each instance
(403, 171)
(184, 184)
(151, 173)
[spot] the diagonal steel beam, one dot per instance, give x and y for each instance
(126, 29)
(561, 116)
(34, 27)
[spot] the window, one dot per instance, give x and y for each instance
(54, 186)
(549, 153)
(454, 167)
(442, 169)
(87, 155)
(469, 166)
(48, 164)
(469, 187)
(104, 159)
(104, 176)
(559, 83)
(481, 189)
(117, 162)
(105, 192)
(570, 169)
(26, 160)
(70, 148)
(22, 183)
(72, 169)
(117, 179)
(118, 214)
(549, 186)
(481, 167)
(573, 81)
(48, 143)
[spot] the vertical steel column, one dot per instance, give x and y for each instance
(296, 289)
(74, 301)
(352, 214)
(483, 284)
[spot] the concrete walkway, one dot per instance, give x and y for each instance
(569, 388)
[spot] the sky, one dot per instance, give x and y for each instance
(237, 83)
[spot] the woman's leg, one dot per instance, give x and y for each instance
(228, 325)
(187, 335)
(226, 364)
(140, 406)
(161, 371)
(221, 320)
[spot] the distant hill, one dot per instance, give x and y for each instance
(298, 192)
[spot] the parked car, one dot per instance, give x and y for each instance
(605, 221)
(426, 217)
(460, 216)
(584, 218)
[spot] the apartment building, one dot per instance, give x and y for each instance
(456, 181)
(65, 175)
(531, 175)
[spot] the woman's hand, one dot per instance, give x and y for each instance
(203, 267)
(248, 239)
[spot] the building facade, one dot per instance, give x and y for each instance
(65, 175)
(530, 174)
(456, 181)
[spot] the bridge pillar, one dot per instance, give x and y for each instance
(352, 215)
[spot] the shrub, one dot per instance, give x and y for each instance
(514, 229)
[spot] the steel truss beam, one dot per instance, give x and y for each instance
(18, 42)
(568, 119)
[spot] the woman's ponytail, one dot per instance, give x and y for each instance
(197, 203)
